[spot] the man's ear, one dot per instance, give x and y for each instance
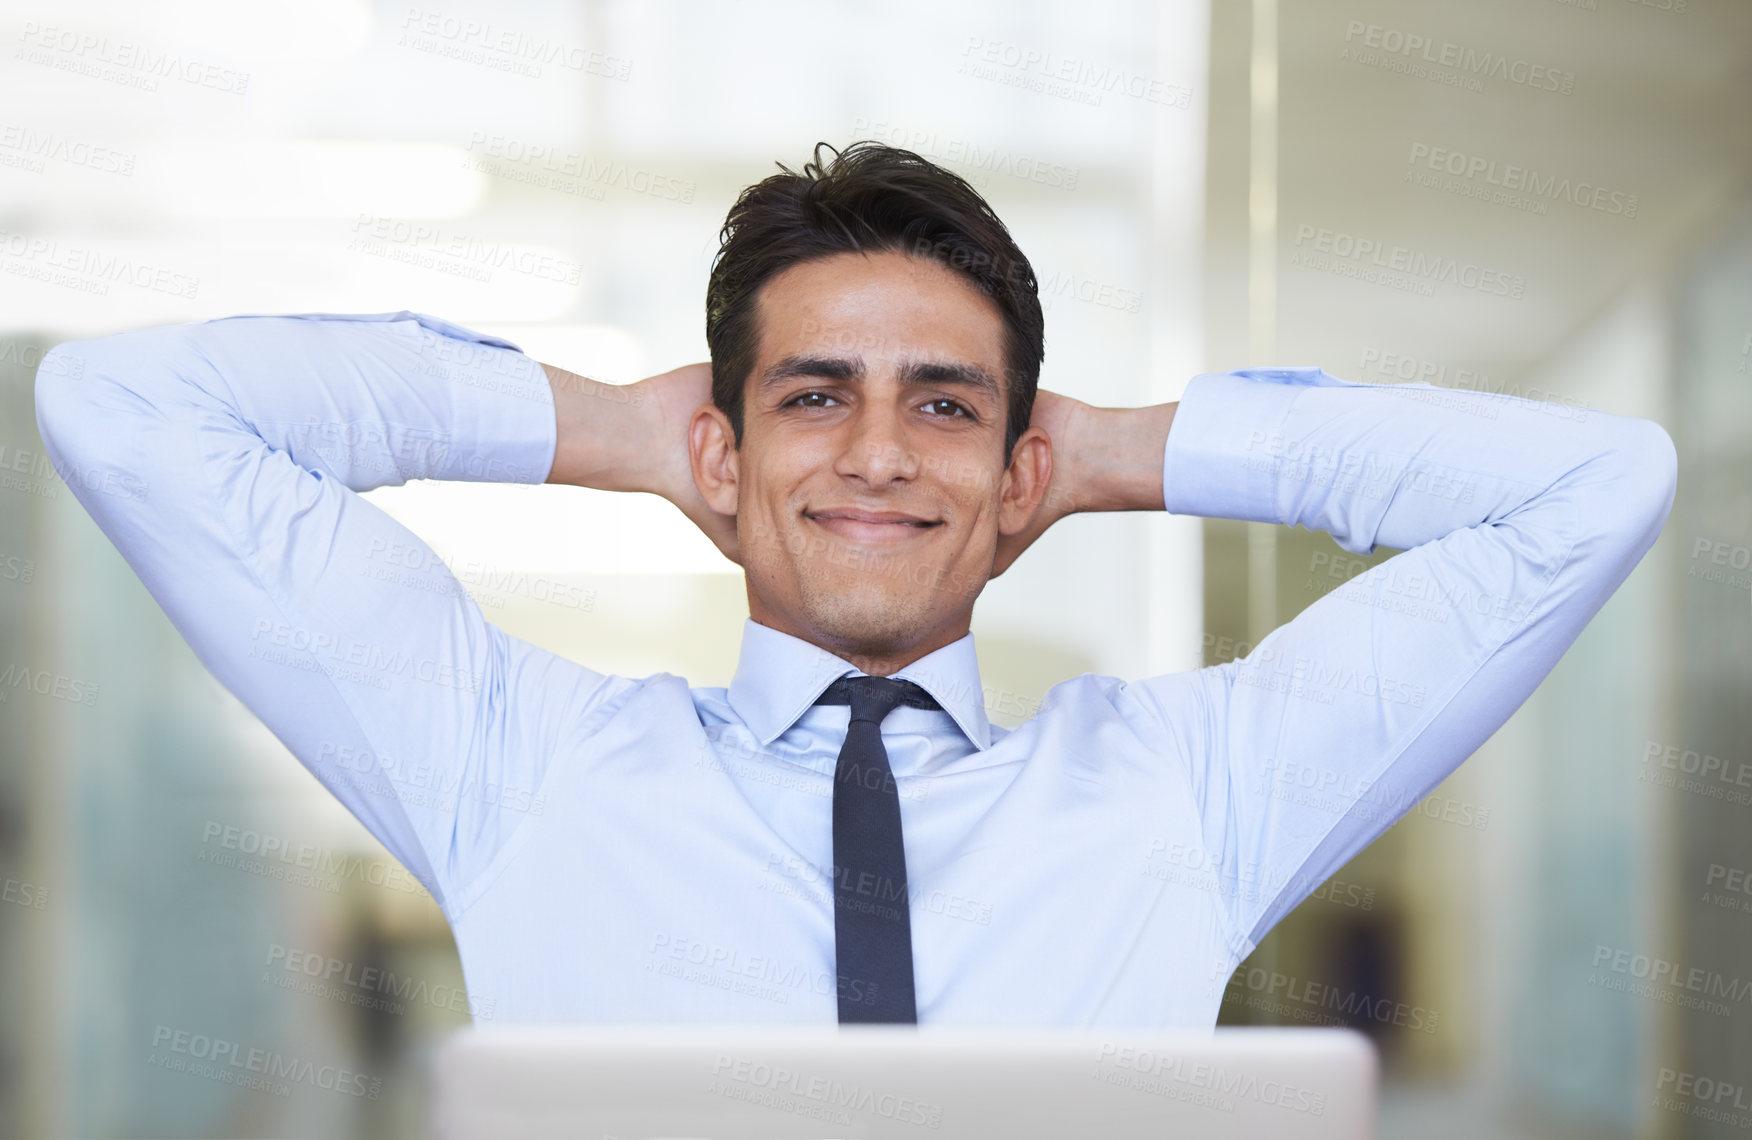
(1025, 481)
(711, 451)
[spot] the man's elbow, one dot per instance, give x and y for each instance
(64, 380)
(1656, 467)
(1646, 478)
(86, 390)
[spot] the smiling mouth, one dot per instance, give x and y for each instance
(871, 526)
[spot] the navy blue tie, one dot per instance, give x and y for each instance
(872, 926)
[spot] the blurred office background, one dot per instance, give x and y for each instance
(167, 868)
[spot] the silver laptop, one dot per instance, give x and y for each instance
(732, 1083)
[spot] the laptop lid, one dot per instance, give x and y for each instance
(730, 1083)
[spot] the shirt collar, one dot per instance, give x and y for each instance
(779, 676)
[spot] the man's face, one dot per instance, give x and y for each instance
(870, 485)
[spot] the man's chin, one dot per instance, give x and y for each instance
(868, 619)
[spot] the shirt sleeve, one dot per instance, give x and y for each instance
(1516, 520)
(224, 460)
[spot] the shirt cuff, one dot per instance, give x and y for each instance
(502, 408)
(1219, 460)
(503, 429)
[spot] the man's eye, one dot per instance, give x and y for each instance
(800, 401)
(953, 408)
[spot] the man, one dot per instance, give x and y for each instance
(841, 833)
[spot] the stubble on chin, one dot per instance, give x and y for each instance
(874, 617)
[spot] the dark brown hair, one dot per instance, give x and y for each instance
(869, 198)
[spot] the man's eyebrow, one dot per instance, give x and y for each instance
(819, 367)
(916, 373)
(927, 372)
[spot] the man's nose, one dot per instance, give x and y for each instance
(878, 449)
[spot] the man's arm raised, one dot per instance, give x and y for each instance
(224, 459)
(1517, 521)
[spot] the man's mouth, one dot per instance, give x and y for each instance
(862, 525)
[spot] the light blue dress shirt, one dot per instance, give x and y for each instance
(618, 849)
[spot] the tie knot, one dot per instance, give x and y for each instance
(873, 698)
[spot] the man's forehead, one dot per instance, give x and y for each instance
(884, 309)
